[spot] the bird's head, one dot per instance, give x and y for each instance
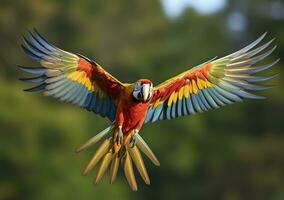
(143, 90)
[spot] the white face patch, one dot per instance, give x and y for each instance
(143, 92)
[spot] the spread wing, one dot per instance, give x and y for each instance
(211, 85)
(71, 77)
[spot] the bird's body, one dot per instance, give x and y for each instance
(76, 79)
(130, 112)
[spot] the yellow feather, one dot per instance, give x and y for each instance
(190, 87)
(194, 86)
(89, 84)
(180, 93)
(72, 75)
(128, 171)
(175, 97)
(104, 165)
(209, 84)
(79, 77)
(198, 84)
(171, 99)
(186, 91)
(102, 150)
(142, 145)
(201, 84)
(138, 160)
(157, 103)
(114, 168)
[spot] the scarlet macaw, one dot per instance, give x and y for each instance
(76, 79)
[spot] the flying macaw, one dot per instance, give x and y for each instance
(76, 79)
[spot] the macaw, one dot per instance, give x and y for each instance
(78, 80)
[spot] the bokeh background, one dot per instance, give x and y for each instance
(234, 153)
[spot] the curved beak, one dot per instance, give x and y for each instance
(145, 91)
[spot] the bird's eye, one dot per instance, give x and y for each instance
(140, 96)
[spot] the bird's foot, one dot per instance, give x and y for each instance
(133, 139)
(120, 135)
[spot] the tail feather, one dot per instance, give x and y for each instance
(103, 149)
(146, 150)
(128, 171)
(104, 165)
(138, 160)
(95, 139)
(114, 168)
(107, 155)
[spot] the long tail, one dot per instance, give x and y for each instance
(107, 155)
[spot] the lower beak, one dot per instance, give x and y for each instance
(145, 91)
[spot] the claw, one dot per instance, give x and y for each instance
(133, 139)
(120, 135)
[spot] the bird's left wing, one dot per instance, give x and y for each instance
(211, 85)
(71, 77)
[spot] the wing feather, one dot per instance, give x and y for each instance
(70, 77)
(212, 84)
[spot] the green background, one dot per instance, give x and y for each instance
(236, 152)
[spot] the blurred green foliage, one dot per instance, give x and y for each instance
(236, 152)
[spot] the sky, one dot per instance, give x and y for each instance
(174, 8)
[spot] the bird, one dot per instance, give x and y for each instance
(76, 79)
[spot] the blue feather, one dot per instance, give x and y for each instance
(149, 115)
(63, 89)
(195, 103)
(215, 98)
(99, 102)
(204, 101)
(88, 101)
(111, 114)
(228, 95)
(253, 70)
(71, 92)
(157, 113)
(105, 107)
(163, 113)
(248, 86)
(77, 94)
(210, 99)
(36, 88)
(184, 110)
(260, 79)
(59, 91)
(93, 102)
(173, 111)
(81, 103)
(168, 113)
(38, 44)
(44, 42)
(198, 98)
(179, 107)
(29, 53)
(33, 49)
(37, 79)
(80, 95)
(220, 96)
(247, 95)
(33, 70)
(58, 84)
(189, 106)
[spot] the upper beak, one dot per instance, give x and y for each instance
(145, 91)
